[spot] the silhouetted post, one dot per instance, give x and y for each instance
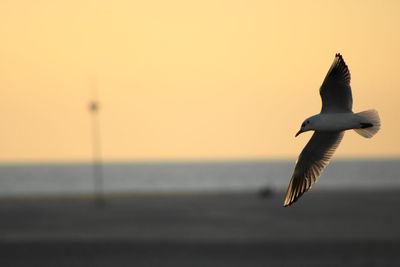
(98, 179)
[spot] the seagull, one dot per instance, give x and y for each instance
(336, 116)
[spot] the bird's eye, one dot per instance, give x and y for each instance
(308, 122)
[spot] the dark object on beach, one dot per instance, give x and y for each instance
(266, 192)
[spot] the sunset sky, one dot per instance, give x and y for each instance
(183, 80)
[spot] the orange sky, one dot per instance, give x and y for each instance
(189, 79)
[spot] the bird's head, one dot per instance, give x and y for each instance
(307, 125)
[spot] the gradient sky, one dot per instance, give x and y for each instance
(189, 79)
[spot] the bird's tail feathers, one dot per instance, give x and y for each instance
(370, 123)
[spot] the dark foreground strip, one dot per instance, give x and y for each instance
(190, 254)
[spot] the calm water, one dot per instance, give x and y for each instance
(40, 179)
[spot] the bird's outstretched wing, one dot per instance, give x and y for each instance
(311, 162)
(335, 91)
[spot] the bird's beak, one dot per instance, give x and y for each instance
(299, 132)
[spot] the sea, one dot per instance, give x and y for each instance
(52, 179)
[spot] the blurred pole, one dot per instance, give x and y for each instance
(98, 178)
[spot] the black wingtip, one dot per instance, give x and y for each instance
(339, 56)
(340, 68)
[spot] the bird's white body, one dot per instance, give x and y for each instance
(365, 123)
(328, 122)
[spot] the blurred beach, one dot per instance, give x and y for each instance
(217, 217)
(325, 228)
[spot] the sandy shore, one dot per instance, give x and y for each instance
(323, 229)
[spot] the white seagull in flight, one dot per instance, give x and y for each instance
(336, 116)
